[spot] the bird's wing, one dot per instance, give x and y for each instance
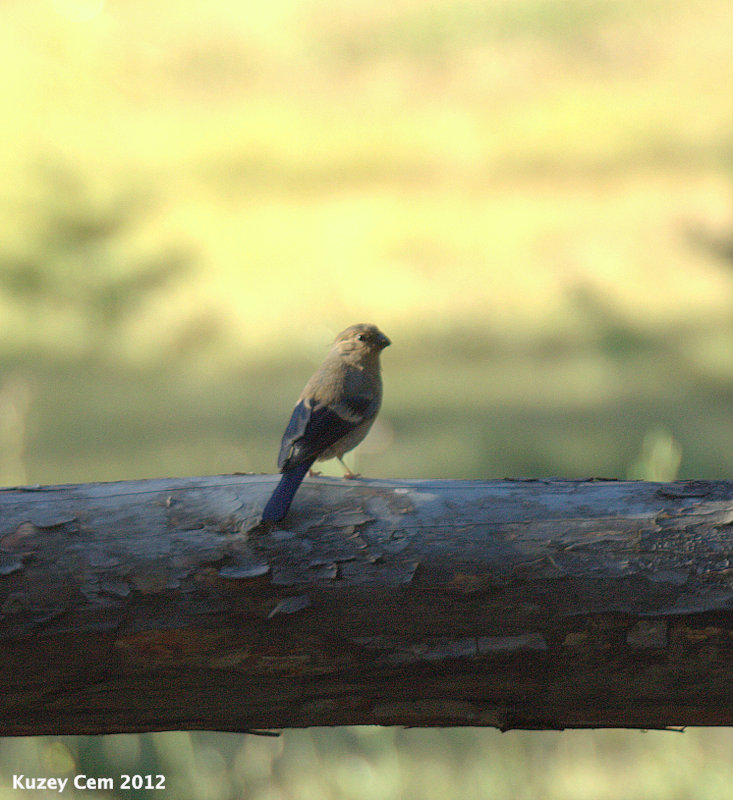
(314, 427)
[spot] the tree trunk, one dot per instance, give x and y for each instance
(150, 605)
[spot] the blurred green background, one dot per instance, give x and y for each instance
(533, 198)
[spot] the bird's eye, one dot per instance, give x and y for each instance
(361, 337)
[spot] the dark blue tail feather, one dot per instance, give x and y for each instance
(278, 505)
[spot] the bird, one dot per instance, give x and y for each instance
(333, 414)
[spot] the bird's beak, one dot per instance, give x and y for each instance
(383, 341)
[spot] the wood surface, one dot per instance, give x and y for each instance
(160, 604)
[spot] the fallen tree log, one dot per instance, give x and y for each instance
(546, 604)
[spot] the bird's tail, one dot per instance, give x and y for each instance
(279, 503)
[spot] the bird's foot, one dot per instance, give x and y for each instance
(314, 473)
(348, 474)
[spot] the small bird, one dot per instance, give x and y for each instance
(333, 414)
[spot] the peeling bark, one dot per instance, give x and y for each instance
(150, 605)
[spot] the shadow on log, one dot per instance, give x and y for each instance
(546, 604)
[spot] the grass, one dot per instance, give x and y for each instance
(532, 198)
(367, 762)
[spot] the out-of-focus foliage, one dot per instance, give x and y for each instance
(532, 197)
(77, 265)
(364, 763)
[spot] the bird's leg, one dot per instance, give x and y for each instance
(348, 474)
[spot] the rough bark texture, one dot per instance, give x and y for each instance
(152, 605)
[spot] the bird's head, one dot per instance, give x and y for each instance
(360, 341)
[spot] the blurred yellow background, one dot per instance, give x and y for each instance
(533, 198)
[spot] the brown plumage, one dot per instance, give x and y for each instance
(334, 412)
